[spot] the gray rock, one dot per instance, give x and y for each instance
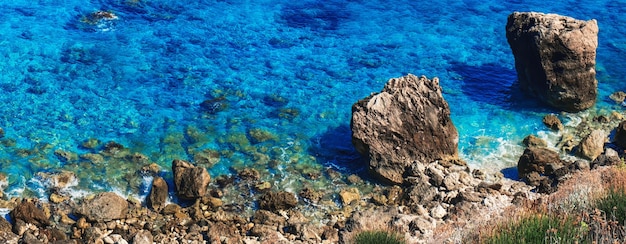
(407, 122)
(555, 58)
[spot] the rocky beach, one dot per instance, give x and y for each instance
(230, 162)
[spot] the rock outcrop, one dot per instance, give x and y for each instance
(555, 58)
(407, 123)
(105, 206)
(190, 182)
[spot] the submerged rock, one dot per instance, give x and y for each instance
(407, 123)
(555, 58)
(190, 182)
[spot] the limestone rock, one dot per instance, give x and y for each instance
(592, 145)
(552, 122)
(349, 195)
(555, 58)
(620, 134)
(143, 237)
(533, 141)
(535, 159)
(158, 194)
(274, 201)
(29, 213)
(190, 182)
(408, 122)
(105, 206)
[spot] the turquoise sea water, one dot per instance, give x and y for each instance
(256, 83)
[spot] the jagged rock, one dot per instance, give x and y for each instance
(555, 58)
(620, 134)
(533, 141)
(350, 195)
(535, 159)
(609, 157)
(618, 96)
(268, 218)
(29, 213)
(274, 201)
(158, 194)
(438, 212)
(408, 122)
(190, 182)
(592, 145)
(552, 122)
(143, 237)
(105, 206)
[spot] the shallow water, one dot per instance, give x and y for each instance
(257, 83)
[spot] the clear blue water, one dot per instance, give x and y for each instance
(291, 68)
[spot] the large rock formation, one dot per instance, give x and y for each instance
(555, 58)
(407, 123)
(190, 181)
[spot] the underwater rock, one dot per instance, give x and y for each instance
(158, 194)
(59, 180)
(555, 58)
(620, 134)
(190, 182)
(1, 133)
(105, 206)
(592, 145)
(553, 122)
(29, 213)
(214, 105)
(98, 16)
(274, 201)
(407, 123)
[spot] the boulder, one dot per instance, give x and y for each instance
(158, 194)
(618, 96)
(143, 237)
(349, 195)
(408, 122)
(190, 182)
(592, 145)
(536, 159)
(533, 141)
(620, 134)
(29, 213)
(274, 201)
(552, 122)
(555, 58)
(104, 207)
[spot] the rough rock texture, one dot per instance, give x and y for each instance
(592, 145)
(536, 159)
(408, 122)
(158, 194)
(534, 141)
(555, 58)
(552, 121)
(191, 182)
(105, 206)
(29, 213)
(620, 134)
(274, 201)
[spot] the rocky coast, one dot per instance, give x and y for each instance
(419, 186)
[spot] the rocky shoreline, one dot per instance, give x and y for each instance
(407, 134)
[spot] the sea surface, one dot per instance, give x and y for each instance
(267, 84)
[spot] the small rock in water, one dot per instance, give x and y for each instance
(553, 122)
(618, 96)
(1, 133)
(214, 105)
(533, 141)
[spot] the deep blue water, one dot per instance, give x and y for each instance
(171, 78)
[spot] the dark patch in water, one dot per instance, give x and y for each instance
(510, 173)
(316, 15)
(334, 150)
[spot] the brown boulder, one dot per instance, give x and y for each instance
(29, 213)
(592, 145)
(274, 201)
(620, 134)
(555, 58)
(536, 159)
(533, 141)
(104, 207)
(552, 122)
(158, 194)
(408, 122)
(190, 182)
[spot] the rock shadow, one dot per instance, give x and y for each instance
(334, 150)
(495, 85)
(511, 173)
